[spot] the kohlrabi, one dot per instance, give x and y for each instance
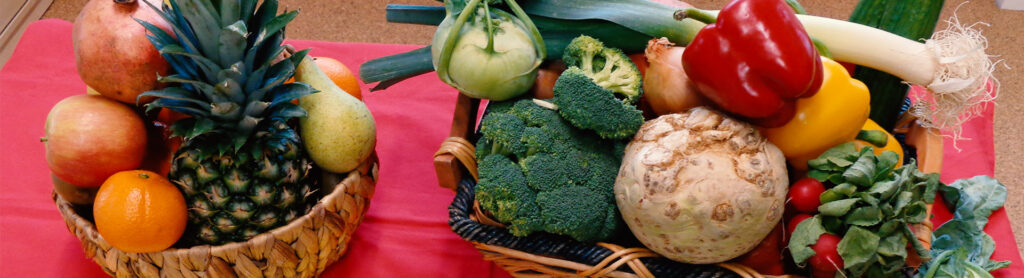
(485, 52)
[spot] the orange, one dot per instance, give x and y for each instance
(340, 75)
(139, 211)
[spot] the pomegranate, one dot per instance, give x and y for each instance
(111, 50)
(88, 138)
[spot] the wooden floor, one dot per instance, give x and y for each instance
(363, 21)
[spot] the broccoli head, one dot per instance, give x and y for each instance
(504, 132)
(608, 67)
(589, 106)
(579, 212)
(502, 191)
(527, 150)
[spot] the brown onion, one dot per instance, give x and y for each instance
(666, 87)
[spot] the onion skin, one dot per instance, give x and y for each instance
(666, 86)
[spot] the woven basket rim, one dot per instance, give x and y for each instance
(370, 165)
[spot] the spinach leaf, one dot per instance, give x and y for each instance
(805, 235)
(862, 172)
(916, 212)
(864, 216)
(885, 189)
(895, 245)
(858, 248)
(837, 208)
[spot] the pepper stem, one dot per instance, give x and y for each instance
(874, 137)
(698, 15)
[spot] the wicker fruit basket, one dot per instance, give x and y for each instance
(303, 248)
(542, 255)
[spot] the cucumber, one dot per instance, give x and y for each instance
(912, 19)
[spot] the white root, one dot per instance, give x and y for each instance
(960, 88)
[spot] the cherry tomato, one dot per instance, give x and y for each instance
(803, 195)
(826, 255)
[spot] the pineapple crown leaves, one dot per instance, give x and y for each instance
(223, 55)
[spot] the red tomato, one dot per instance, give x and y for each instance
(803, 195)
(826, 256)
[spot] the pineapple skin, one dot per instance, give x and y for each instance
(233, 197)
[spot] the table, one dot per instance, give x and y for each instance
(405, 232)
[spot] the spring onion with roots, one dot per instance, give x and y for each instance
(952, 65)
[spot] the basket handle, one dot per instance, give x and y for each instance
(456, 154)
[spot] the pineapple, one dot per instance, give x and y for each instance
(242, 166)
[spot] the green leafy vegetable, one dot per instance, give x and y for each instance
(805, 235)
(961, 248)
(837, 208)
(872, 207)
(858, 248)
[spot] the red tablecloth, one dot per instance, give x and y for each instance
(405, 232)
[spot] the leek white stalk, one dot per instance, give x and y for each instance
(952, 65)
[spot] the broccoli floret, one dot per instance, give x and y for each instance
(504, 132)
(589, 106)
(608, 67)
(502, 191)
(500, 106)
(527, 150)
(546, 172)
(578, 212)
(537, 140)
(483, 148)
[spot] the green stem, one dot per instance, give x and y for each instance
(874, 137)
(695, 14)
(449, 43)
(490, 28)
(933, 265)
(538, 41)
(822, 49)
(797, 8)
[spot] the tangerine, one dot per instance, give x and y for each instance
(340, 75)
(140, 211)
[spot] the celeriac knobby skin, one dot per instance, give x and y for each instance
(700, 187)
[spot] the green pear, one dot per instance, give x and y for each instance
(338, 130)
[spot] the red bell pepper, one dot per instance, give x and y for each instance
(755, 61)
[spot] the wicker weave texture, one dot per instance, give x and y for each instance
(303, 248)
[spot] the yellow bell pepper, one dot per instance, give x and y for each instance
(890, 145)
(831, 117)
